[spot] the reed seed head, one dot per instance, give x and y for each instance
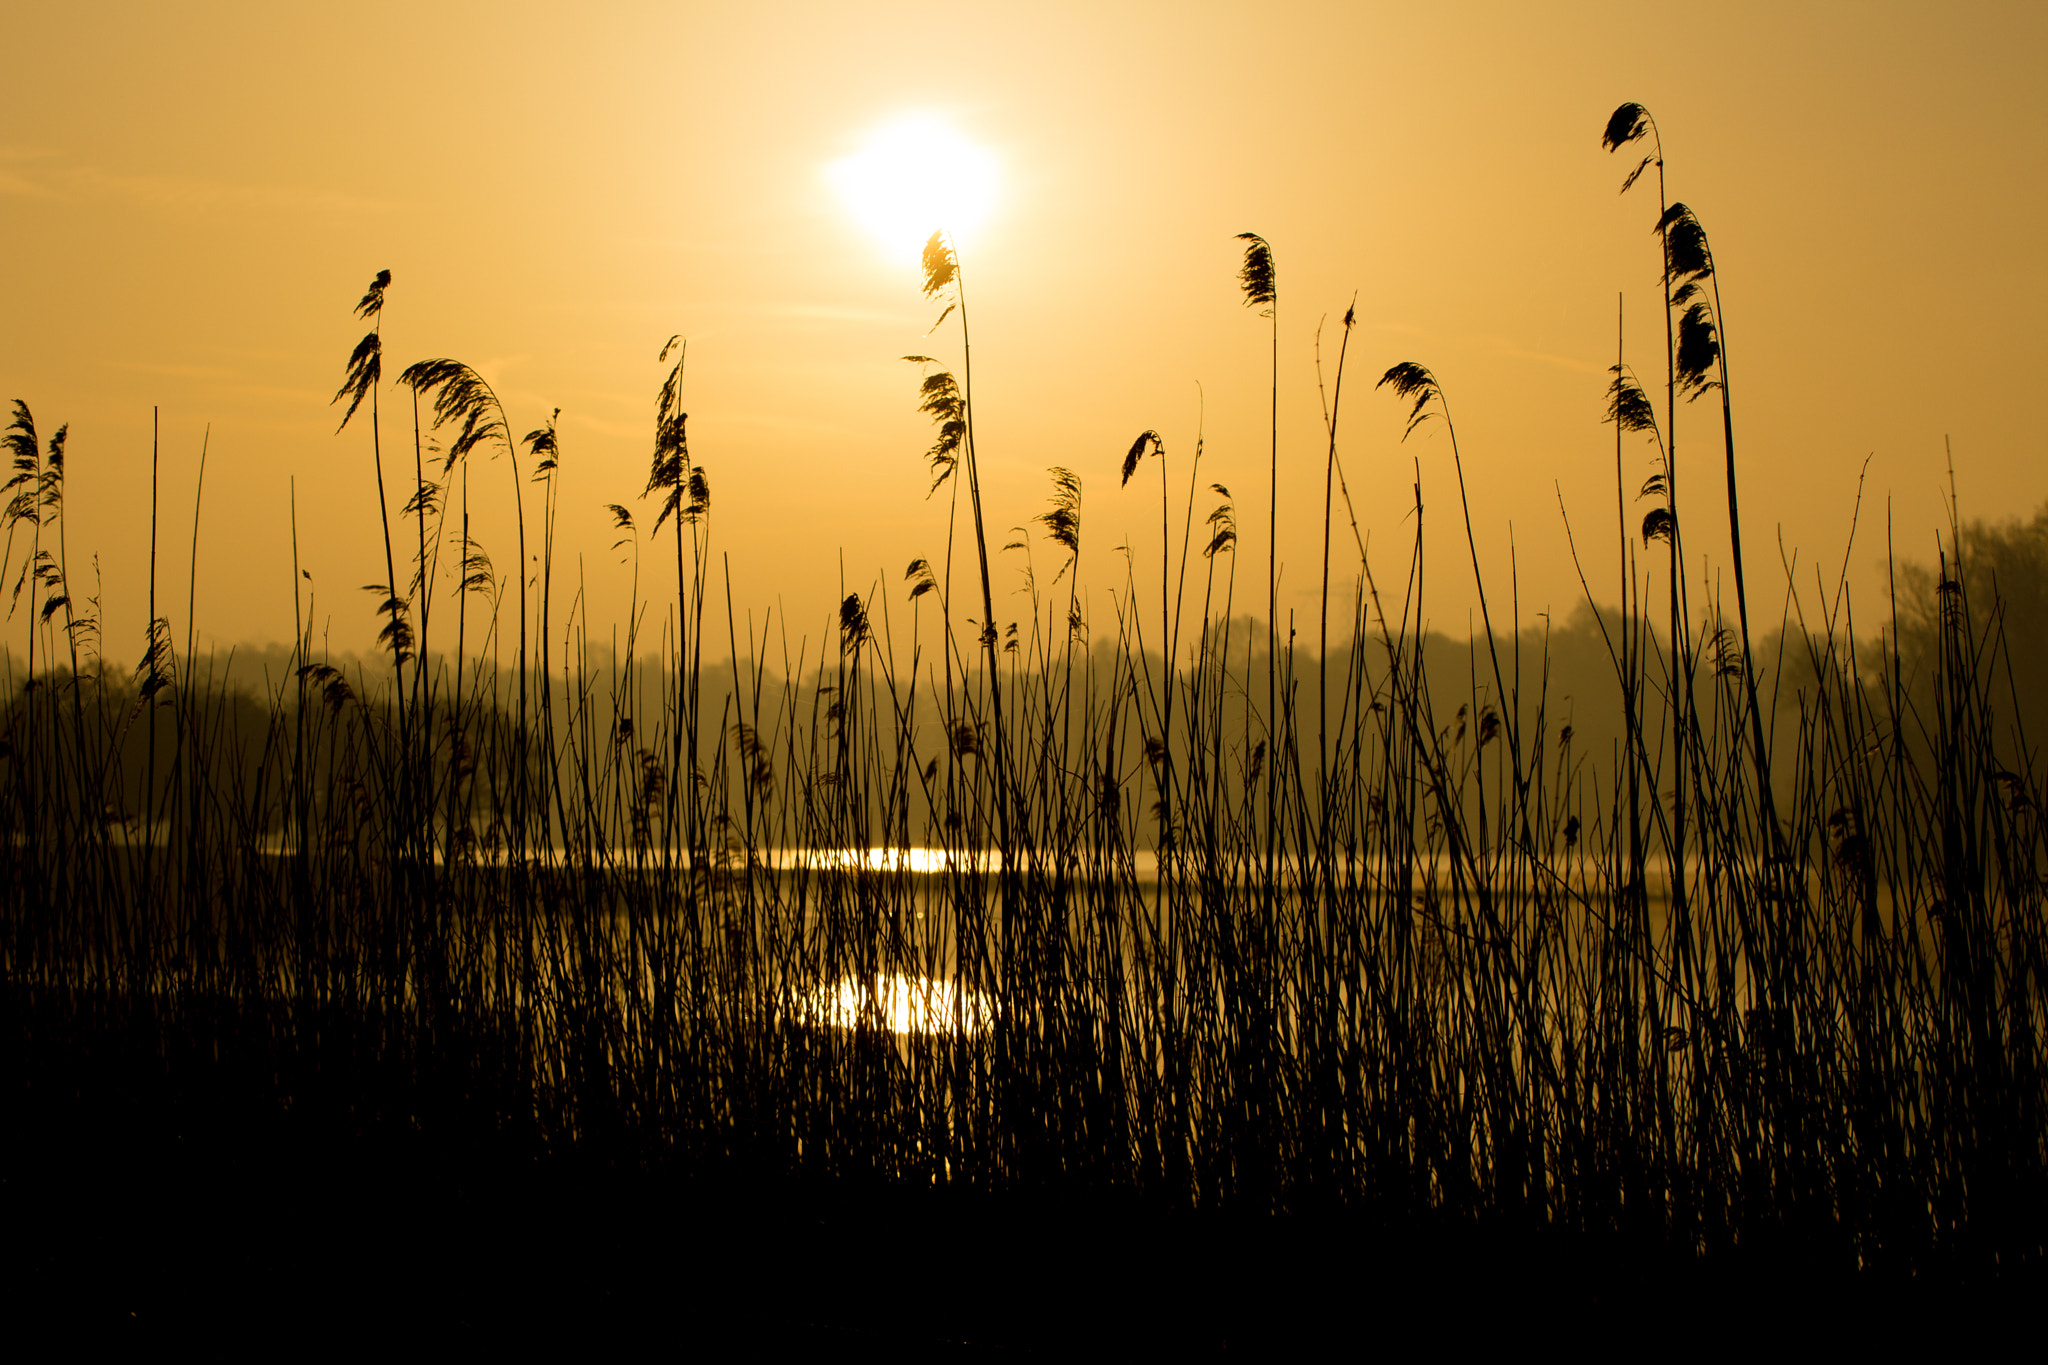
(365, 369)
(373, 298)
(1627, 405)
(700, 495)
(542, 443)
(154, 674)
(853, 624)
(22, 444)
(1222, 525)
(1409, 380)
(939, 398)
(1631, 123)
(460, 398)
(1256, 275)
(1137, 452)
(941, 266)
(966, 738)
(477, 573)
(1626, 124)
(1063, 521)
(1690, 258)
(687, 497)
(28, 483)
(1699, 347)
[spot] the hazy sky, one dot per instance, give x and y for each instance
(193, 197)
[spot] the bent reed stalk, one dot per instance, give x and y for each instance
(853, 916)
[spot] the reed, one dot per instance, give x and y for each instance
(1038, 908)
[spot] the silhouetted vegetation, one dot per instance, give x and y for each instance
(1615, 929)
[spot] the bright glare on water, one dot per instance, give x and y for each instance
(923, 860)
(901, 1003)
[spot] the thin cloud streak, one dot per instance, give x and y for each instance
(172, 193)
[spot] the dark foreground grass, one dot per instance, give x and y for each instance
(1243, 992)
(210, 1220)
(225, 1229)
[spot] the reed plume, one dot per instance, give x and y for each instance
(1257, 278)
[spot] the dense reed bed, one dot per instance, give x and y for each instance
(1750, 952)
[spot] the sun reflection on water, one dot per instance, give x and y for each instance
(886, 859)
(900, 1002)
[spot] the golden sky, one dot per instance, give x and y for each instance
(193, 197)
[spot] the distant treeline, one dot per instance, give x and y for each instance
(1564, 679)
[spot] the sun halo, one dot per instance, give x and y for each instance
(914, 175)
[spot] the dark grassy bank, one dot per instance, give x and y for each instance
(202, 1214)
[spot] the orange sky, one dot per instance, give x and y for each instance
(192, 198)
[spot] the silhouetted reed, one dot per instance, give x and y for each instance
(1075, 910)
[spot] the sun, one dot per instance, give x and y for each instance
(912, 176)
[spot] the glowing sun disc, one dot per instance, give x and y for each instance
(913, 176)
